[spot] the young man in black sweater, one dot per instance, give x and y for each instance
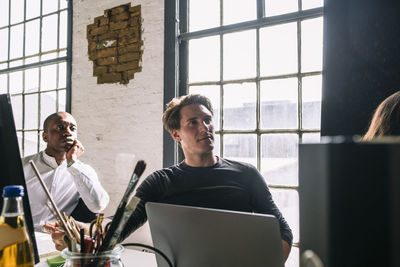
(203, 179)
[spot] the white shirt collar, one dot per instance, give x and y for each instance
(49, 160)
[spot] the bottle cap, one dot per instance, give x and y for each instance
(13, 191)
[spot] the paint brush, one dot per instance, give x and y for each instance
(130, 208)
(139, 169)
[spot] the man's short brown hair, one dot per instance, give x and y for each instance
(172, 115)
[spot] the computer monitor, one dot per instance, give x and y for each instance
(11, 169)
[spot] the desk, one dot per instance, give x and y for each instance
(129, 257)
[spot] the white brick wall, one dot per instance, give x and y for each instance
(119, 124)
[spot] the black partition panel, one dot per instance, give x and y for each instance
(349, 196)
(361, 62)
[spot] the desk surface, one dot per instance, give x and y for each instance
(133, 257)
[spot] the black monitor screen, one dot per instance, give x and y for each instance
(11, 171)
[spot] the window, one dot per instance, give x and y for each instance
(34, 64)
(260, 63)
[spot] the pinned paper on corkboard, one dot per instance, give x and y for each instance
(115, 44)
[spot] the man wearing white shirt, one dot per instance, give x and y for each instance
(67, 178)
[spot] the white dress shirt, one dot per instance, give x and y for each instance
(65, 184)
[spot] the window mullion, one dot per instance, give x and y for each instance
(260, 9)
(221, 80)
(300, 80)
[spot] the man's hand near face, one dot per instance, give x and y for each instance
(76, 150)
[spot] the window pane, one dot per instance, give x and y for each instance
(213, 93)
(32, 37)
(4, 44)
(48, 56)
(312, 93)
(16, 41)
(241, 147)
(240, 106)
(307, 4)
(49, 33)
(278, 49)
(204, 59)
(238, 11)
(31, 111)
(3, 83)
(278, 100)
(63, 29)
(197, 10)
(240, 55)
(61, 100)
(310, 138)
(16, 102)
(48, 105)
(19, 137)
(42, 143)
(31, 141)
(288, 203)
(48, 77)
(16, 82)
(32, 60)
(217, 149)
(293, 259)
(49, 6)
(311, 45)
(16, 14)
(62, 75)
(15, 63)
(278, 7)
(279, 159)
(63, 4)
(31, 80)
(3, 13)
(32, 9)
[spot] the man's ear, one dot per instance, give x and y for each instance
(45, 137)
(175, 135)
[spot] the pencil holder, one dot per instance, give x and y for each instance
(110, 258)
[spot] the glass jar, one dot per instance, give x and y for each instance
(103, 259)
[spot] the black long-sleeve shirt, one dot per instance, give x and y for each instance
(228, 185)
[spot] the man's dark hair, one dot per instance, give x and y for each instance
(172, 115)
(50, 118)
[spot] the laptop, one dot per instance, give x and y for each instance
(202, 237)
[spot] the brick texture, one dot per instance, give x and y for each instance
(115, 44)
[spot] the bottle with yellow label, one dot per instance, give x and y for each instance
(16, 248)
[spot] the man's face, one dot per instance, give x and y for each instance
(196, 133)
(61, 133)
